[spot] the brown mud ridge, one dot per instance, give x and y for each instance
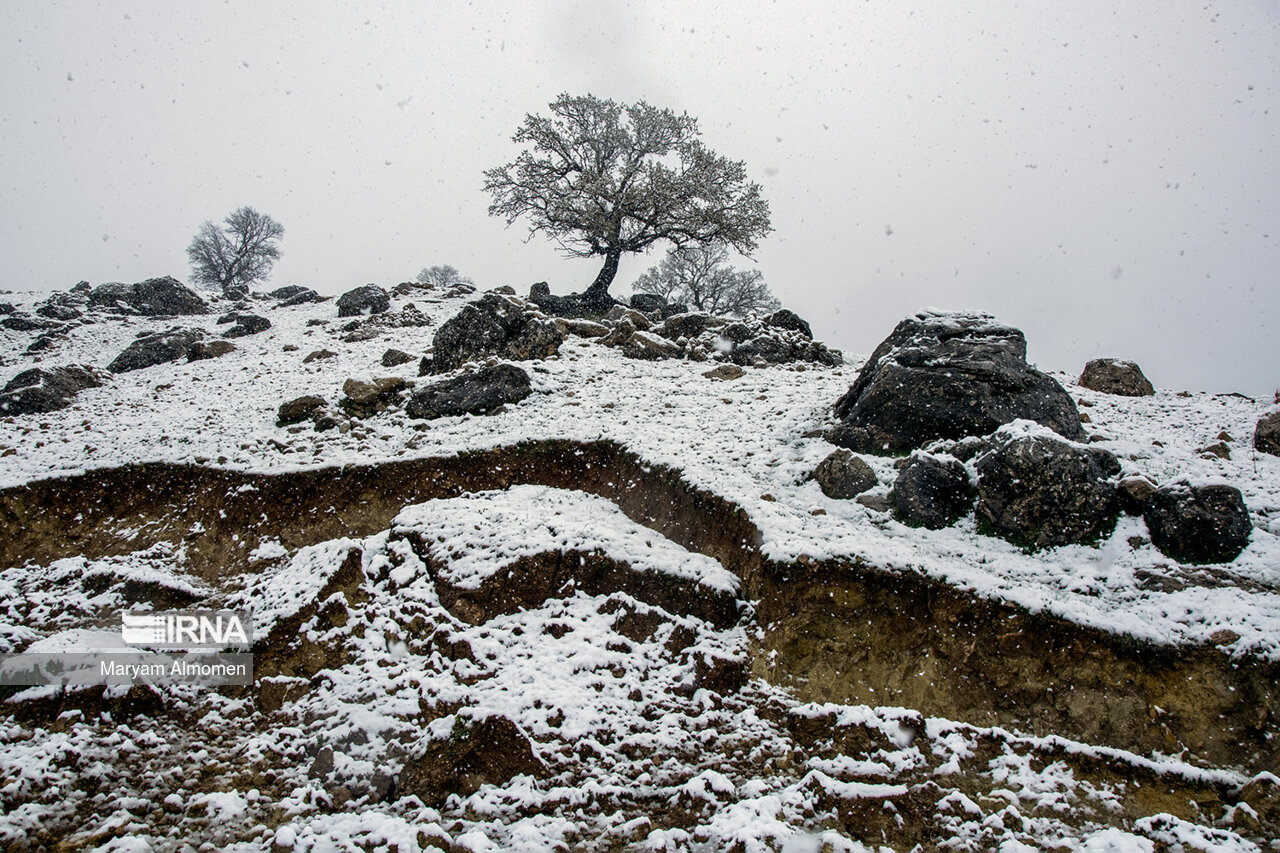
(836, 631)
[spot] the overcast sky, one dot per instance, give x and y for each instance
(1108, 180)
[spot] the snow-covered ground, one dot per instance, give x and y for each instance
(639, 752)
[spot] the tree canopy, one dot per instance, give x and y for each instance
(442, 276)
(603, 178)
(235, 256)
(701, 278)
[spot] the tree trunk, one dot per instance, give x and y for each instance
(597, 294)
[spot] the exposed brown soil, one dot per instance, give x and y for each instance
(832, 632)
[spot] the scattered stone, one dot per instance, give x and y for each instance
(784, 319)
(1217, 449)
(725, 372)
(1225, 436)
(650, 347)
(1198, 523)
(875, 503)
(201, 350)
(1039, 491)
(843, 475)
(494, 325)
(474, 393)
(931, 492)
(247, 324)
(394, 357)
(1113, 376)
(491, 751)
(580, 327)
(1266, 435)
(155, 297)
(1134, 492)
(947, 376)
(368, 299)
(299, 409)
(316, 355)
(156, 348)
(39, 390)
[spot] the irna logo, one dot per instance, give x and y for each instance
(188, 629)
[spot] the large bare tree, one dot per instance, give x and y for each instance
(700, 277)
(603, 178)
(235, 256)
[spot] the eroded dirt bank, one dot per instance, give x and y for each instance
(832, 632)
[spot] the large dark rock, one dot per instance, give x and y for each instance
(931, 492)
(1112, 376)
(474, 393)
(843, 475)
(300, 298)
(203, 351)
(648, 302)
(486, 752)
(1198, 523)
(947, 376)
(46, 390)
(288, 291)
(1039, 491)
(299, 409)
(689, 325)
(247, 324)
(494, 325)
(1266, 435)
(368, 299)
(156, 348)
(784, 319)
(155, 297)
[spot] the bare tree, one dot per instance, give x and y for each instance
(442, 276)
(603, 178)
(235, 256)
(700, 277)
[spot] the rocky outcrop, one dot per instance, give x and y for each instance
(931, 491)
(1113, 376)
(1198, 523)
(947, 376)
(247, 324)
(474, 393)
(648, 302)
(746, 342)
(46, 390)
(155, 297)
(368, 299)
(1266, 435)
(494, 325)
(789, 320)
(843, 476)
(156, 348)
(491, 751)
(289, 291)
(1039, 491)
(365, 398)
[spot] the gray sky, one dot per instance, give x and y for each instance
(1106, 179)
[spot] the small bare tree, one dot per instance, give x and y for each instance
(233, 257)
(603, 178)
(700, 277)
(443, 276)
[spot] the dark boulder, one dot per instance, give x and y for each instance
(155, 297)
(368, 299)
(539, 290)
(1135, 493)
(57, 309)
(1039, 491)
(1112, 376)
(843, 475)
(299, 409)
(789, 320)
(689, 325)
(393, 357)
(40, 390)
(648, 302)
(303, 297)
(491, 751)
(23, 323)
(1198, 523)
(931, 492)
(494, 325)
(288, 291)
(947, 376)
(366, 398)
(7, 308)
(156, 348)
(1266, 435)
(247, 324)
(474, 393)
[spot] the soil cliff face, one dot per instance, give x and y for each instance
(837, 632)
